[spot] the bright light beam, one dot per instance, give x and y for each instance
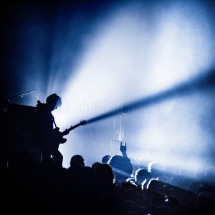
(139, 50)
(199, 83)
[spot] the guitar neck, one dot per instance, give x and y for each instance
(73, 127)
(83, 122)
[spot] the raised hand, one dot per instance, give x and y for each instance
(123, 148)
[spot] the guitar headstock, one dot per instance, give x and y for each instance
(83, 122)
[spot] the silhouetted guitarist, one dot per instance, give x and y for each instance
(48, 136)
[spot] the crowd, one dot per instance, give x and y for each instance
(110, 186)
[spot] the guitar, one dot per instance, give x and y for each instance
(58, 136)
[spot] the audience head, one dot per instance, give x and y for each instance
(141, 175)
(122, 168)
(77, 161)
(104, 173)
(105, 159)
(94, 165)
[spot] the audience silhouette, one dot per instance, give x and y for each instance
(76, 163)
(105, 159)
(121, 166)
(142, 178)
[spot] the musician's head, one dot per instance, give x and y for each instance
(53, 101)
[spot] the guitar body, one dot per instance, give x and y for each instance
(58, 136)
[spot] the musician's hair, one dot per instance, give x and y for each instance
(54, 99)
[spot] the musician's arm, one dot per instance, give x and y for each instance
(65, 132)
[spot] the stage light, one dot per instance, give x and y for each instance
(134, 56)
